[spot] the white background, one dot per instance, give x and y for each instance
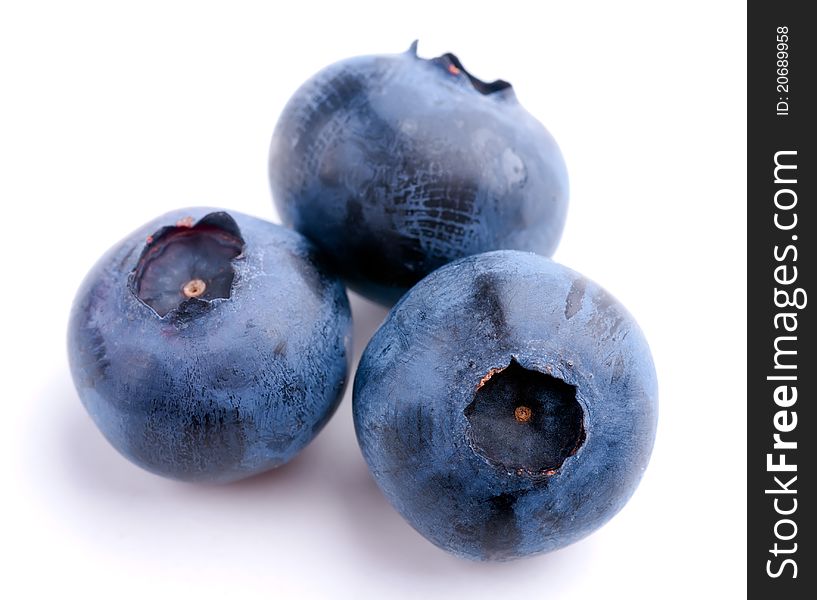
(111, 115)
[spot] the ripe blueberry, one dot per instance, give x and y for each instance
(396, 165)
(507, 406)
(209, 346)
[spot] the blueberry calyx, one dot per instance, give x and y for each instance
(184, 267)
(452, 65)
(525, 421)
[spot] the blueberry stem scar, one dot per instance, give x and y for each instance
(194, 288)
(522, 414)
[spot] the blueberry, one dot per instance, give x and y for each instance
(507, 406)
(209, 346)
(396, 165)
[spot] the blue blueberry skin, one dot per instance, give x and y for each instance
(507, 406)
(223, 385)
(396, 165)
